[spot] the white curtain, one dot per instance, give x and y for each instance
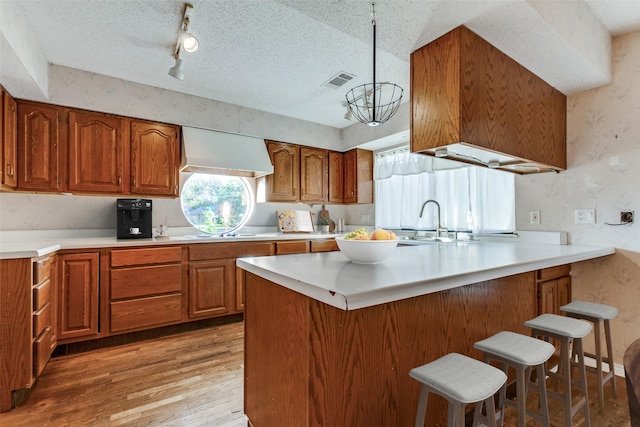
(471, 198)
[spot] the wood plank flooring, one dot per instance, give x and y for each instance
(190, 379)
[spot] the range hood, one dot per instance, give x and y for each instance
(208, 151)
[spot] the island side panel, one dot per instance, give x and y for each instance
(310, 364)
(361, 359)
(276, 354)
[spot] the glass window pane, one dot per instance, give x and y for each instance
(216, 203)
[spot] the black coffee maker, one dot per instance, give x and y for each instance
(134, 218)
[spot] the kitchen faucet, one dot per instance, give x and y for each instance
(439, 229)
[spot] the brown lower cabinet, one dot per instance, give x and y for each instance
(554, 288)
(79, 284)
(145, 288)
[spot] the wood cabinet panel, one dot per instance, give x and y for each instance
(336, 177)
(312, 360)
(324, 245)
(78, 301)
(314, 175)
(41, 351)
(41, 294)
(159, 255)
(38, 150)
(211, 286)
(41, 319)
(155, 156)
(358, 176)
(283, 184)
(143, 313)
(465, 90)
(292, 247)
(553, 272)
(97, 149)
(15, 328)
(9, 136)
(554, 288)
(144, 281)
(207, 251)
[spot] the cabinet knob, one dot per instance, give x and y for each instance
(119, 180)
(9, 169)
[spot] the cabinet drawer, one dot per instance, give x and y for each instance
(41, 294)
(554, 272)
(228, 250)
(324, 245)
(128, 257)
(41, 351)
(146, 281)
(292, 247)
(143, 313)
(41, 320)
(42, 269)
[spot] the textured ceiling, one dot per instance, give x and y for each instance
(274, 55)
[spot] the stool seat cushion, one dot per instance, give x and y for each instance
(561, 325)
(518, 348)
(460, 378)
(591, 309)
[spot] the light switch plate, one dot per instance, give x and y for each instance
(585, 216)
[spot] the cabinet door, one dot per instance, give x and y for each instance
(38, 150)
(336, 177)
(78, 297)
(155, 158)
(358, 176)
(211, 287)
(548, 297)
(314, 175)
(9, 135)
(96, 152)
(282, 185)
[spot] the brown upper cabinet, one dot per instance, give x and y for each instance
(358, 176)
(466, 92)
(62, 149)
(9, 137)
(314, 175)
(97, 152)
(336, 177)
(155, 158)
(283, 185)
(38, 146)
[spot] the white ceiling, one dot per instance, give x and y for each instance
(275, 55)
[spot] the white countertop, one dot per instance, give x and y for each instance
(34, 248)
(411, 270)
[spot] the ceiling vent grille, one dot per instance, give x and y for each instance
(338, 80)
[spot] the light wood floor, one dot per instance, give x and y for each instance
(190, 379)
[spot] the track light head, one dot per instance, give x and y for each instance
(177, 70)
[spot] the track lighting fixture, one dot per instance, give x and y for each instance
(186, 41)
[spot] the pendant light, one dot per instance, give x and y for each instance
(374, 103)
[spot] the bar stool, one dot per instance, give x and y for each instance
(597, 314)
(461, 380)
(522, 353)
(566, 331)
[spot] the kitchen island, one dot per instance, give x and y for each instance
(329, 342)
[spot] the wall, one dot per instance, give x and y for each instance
(74, 88)
(603, 153)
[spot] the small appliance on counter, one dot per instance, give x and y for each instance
(134, 218)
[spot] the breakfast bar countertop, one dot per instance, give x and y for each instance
(411, 270)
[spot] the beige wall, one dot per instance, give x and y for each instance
(603, 153)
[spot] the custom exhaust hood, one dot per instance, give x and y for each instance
(208, 151)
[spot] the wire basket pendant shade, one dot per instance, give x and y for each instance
(374, 103)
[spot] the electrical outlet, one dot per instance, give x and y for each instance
(585, 216)
(534, 217)
(626, 217)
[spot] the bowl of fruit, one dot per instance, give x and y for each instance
(364, 247)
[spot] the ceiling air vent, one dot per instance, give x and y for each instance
(338, 80)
